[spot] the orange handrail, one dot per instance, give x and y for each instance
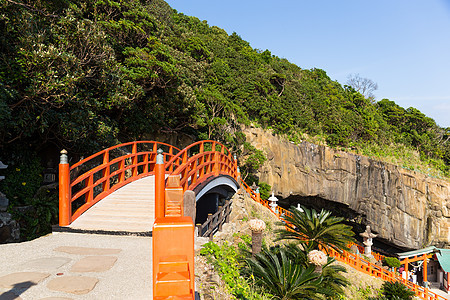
(104, 172)
(209, 161)
(99, 179)
(354, 260)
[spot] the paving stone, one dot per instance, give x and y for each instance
(47, 263)
(78, 285)
(94, 264)
(9, 296)
(87, 251)
(56, 298)
(22, 280)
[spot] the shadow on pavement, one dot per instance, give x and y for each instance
(18, 289)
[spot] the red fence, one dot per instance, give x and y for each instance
(90, 180)
(355, 260)
(200, 161)
(93, 178)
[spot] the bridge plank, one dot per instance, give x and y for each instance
(131, 209)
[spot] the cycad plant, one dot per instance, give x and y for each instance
(333, 280)
(278, 274)
(396, 291)
(314, 229)
(285, 273)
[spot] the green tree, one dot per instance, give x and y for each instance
(83, 75)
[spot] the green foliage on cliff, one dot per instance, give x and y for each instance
(83, 75)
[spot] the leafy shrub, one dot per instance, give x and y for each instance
(392, 262)
(21, 185)
(22, 178)
(264, 190)
(38, 220)
(228, 262)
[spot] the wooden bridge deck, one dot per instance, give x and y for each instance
(129, 209)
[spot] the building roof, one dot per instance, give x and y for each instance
(443, 256)
(413, 253)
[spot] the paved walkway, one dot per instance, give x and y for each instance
(131, 209)
(77, 266)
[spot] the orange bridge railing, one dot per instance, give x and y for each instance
(95, 177)
(90, 180)
(355, 260)
(210, 158)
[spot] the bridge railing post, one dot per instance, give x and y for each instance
(65, 206)
(216, 163)
(134, 160)
(210, 226)
(160, 177)
(220, 217)
(106, 171)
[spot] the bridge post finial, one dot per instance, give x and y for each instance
(63, 159)
(258, 195)
(159, 157)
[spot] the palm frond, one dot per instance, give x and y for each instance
(313, 229)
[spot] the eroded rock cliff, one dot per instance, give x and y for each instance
(404, 207)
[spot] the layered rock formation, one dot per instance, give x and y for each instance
(404, 207)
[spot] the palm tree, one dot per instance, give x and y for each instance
(278, 274)
(316, 230)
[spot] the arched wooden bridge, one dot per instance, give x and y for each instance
(138, 187)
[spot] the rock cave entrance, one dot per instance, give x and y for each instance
(356, 220)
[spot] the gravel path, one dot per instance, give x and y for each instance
(124, 274)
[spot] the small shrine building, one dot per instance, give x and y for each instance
(427, 266)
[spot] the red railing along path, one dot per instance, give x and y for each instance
(95, 177)
(210, 159)
(355, 260)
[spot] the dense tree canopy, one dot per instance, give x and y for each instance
(87, 74)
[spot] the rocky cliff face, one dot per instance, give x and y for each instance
(404, 207)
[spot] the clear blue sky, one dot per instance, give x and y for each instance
(403, 46)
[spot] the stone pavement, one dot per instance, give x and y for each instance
(77, 266)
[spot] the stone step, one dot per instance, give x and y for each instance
(168, 284)
(174, 263)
